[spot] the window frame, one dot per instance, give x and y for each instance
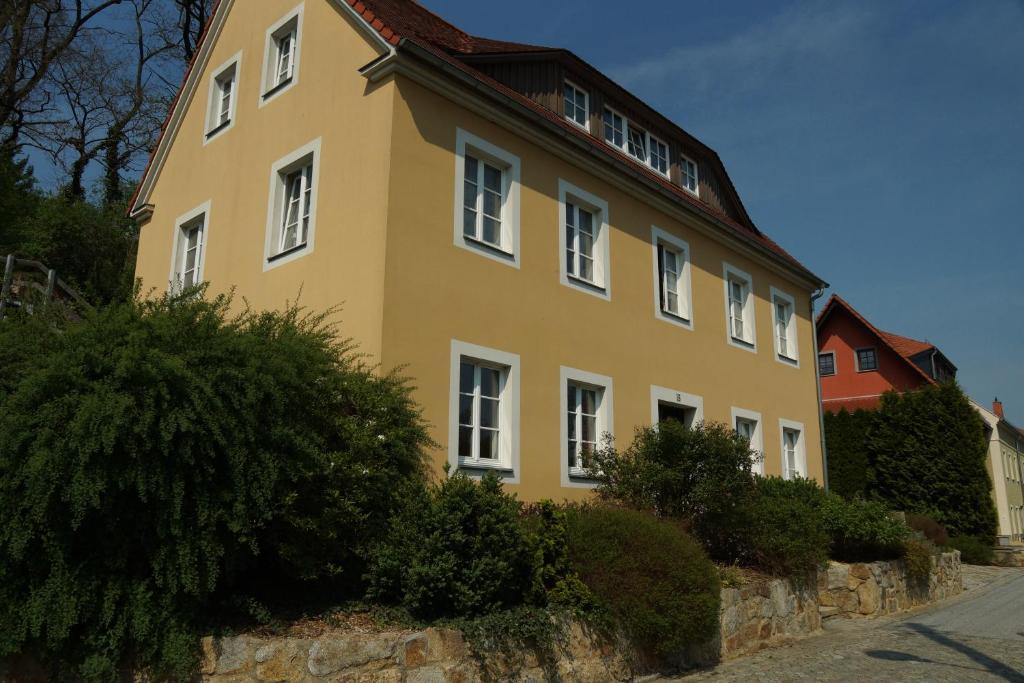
(586, 104)
(792, 341)
(684, 293)
(835, 366)
(270, 87)
(182, 222)
(215, 128)
(627, 125)
(605, 419)
(756, 439)
(677, 399)
(856, 358)
(602, 286)
(509, 406)
(683, 175)
(308, 154)
(475, 146)
(730, 273)
(801, 447)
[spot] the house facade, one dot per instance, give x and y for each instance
(548, 258)
(859, 362)
(1006, 467)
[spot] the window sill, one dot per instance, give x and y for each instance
(587, 285)
(583, 475)
(739, 341)
(671, 317)
(484, 465)
(287, 252)
(220, 127)
(787, 360)
(488, 247)
(277, 88)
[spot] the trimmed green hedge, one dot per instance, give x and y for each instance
(788, 534)
(862, 531)
(848, 459)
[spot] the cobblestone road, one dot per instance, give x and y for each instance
(977, 636)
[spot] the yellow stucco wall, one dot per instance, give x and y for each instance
(436, 291)
(384, 248)
(330, 101)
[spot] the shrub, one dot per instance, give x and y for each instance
(973, 550)
(928, 451)
(454, 549)
(657, 582)
(700, 473)
(848, 461)
(160, 458)
(554, 581)
(862, 531)
(932, 530)
(917, 555)
(787, 535)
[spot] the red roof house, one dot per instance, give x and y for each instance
(859, 362)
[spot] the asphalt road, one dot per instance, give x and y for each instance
(976, 636)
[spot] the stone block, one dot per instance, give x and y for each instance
(331, 655)
(445, 644)
(414, 650)
(234, 655)
(426, 674)
(730, 597)
(209, 652)
(868, 596)
(780, 598)
(730, 620)
(281, 661)
(846, 600)
(861, 571)
(838, 575)
(826, 599)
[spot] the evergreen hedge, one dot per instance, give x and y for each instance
(164, 459)
(848, 460)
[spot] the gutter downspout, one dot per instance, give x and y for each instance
(818, 293)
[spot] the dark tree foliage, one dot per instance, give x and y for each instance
(18, 198)
(928, 452)
(702, 474)
(456, 549)
(164, 457)
(788, 534)
(848, 461)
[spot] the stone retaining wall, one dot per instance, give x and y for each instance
(756, 615)
(883, 587)
(1008, 557)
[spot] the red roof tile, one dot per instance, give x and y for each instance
(905, 346)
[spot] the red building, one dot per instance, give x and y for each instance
(859, 362)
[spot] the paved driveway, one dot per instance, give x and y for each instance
(977, 636)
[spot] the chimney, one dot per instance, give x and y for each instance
(997, 408)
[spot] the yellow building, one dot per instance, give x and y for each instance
(1005, 464)
(549, 258)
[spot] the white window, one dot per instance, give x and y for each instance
(635, 141)
(484, 410)
(223, 98)
(576, 105)
(583, 239)
(747, 424)
(794, 457)
(673, 297)
(291, 209)
(586, 416)
(739, 308)
(659, 156)
(188, 251)
(281, 55)
(486, 199)
(672, 404)
(688, 174)
(784, 327)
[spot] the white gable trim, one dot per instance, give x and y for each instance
(193, 80)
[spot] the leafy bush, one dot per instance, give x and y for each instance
(973, 550)
(160, 458)
(932, 530)
(928, 451)
(454, 549)
(788, 535)
(917, 555)
(862, 531)
(848, 459)
(554, 581)
(702, 474)
(657, 582)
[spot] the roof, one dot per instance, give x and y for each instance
(904, 347)
(403, 22)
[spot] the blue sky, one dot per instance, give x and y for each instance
(881, 142)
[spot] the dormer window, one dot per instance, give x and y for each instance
(635, 141)
(576, 105)
(688, 174)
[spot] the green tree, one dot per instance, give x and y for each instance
(928, 452)
(163, 459)
(18, 198)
